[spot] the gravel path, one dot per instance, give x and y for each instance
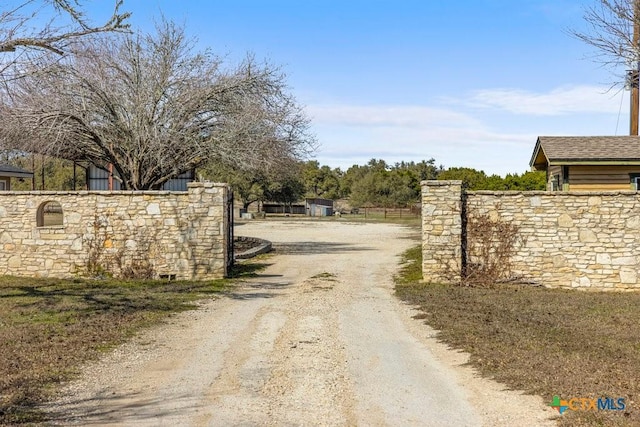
(316, 339)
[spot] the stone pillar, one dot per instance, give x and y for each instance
(442, 231)
(208, 235)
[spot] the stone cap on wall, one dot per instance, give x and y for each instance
(198, 184)
(190, 185)
(440, 183)
(554, 193)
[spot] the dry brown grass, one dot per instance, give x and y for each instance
(48, 327)
(543, 341)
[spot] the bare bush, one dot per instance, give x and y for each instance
(108, 256)
(135, 262)
(96, 243)
(490, 246)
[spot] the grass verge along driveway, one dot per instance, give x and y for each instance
(549, 342)
(48, 327)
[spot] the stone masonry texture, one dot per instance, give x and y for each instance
(181, 235)
(442, 230)
(567, 240)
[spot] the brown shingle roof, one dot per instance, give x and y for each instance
(560, 149)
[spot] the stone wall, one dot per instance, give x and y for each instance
(181, 235)
(572, 240)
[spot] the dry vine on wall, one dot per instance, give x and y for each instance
(126, 261)
(489, 247)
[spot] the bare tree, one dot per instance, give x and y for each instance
(610, 30)
(153, 108)
(614, 32)
(24, 33)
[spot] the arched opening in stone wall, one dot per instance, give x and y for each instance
(49, 214)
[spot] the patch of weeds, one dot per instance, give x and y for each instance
(543, 341)
(411, 266)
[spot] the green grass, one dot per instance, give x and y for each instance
(48, 327)
(379, 217)
(543, 341)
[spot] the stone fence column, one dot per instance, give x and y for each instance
(442, 231)
(208, 230)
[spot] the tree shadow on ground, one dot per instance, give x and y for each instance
(122, 408)
(314, 248)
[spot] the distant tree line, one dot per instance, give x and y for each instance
(375, 184)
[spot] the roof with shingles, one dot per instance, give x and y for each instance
(591, 149)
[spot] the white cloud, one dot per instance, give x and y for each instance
(491, 130)
(387, 115)
(559, 101)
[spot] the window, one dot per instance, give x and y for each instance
(635, 180)
(49, 214)
(3, 185)
(555, 183)
(565, 178)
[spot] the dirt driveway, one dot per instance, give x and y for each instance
(317, 339)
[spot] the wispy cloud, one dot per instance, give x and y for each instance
(387, 115)
(494, 129)
(559, 101)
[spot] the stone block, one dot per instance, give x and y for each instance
(565, 221)
(628, 276)
(603, 258)
(627, 260)
(588, 236)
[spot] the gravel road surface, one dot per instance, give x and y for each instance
(317, 339)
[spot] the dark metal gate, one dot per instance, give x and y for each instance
(230, 254)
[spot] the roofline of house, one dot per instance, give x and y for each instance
(536, 150)
(592, 162)
(16, 174)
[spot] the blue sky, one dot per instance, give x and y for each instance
(469, 83)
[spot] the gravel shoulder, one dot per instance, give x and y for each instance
(317, 339)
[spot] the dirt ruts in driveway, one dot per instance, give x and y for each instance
(317, 339)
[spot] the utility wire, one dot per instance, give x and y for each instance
(619, 111)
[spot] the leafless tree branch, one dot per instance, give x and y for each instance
(20, 40)
(153, 108)
(610, 32)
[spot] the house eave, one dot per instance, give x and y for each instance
(578, 162)
(536, 150)
(27, 175)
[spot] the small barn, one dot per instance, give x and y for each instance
(283, 208)
(588, 163)
(319, 207)
(7, 172)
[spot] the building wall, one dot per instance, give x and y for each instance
(583, 240)
(593, 177)
(180, 235)
(601, 178)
